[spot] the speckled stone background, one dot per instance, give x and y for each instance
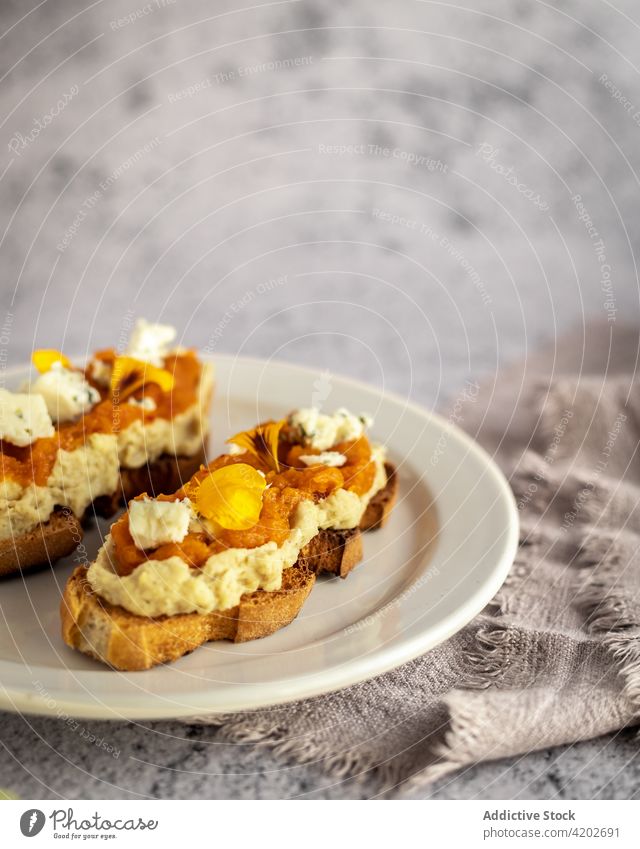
(386, 190)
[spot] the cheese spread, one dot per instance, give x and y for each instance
(77, 478)
(143, 442)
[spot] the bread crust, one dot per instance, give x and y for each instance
(61, 534)
(45, 544)
(129, 642)
(379, 508)
(334, 552)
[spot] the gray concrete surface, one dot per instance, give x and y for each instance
(405, 174)
(42, 758)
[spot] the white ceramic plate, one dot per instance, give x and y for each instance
(444, 554)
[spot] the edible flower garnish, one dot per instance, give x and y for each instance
(44, 358)
(230, 496)
(261, 442)
(129, 375)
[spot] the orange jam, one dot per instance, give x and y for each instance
(34, 463)
(294, 482)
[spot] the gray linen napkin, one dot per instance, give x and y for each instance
(555, 657)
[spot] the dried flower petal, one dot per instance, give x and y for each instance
(44, 358)
(261, 442)
(129, 375)
(231, 496)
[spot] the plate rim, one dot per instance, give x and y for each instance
(16, 699)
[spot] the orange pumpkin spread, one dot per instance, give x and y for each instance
(293, 482)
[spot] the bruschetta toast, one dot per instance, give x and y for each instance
(74, 441)
(234, 553)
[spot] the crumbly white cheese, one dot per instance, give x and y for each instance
(325, 458)
(23, 418)
(153, 523)
(66, 392)
(169, 587)
(322, 431)
(150, 342)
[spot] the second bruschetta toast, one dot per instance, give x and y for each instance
(234, 553)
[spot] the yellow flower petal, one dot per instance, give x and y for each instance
(44, 358)
(261, 442)
(270, 436)
(231, 496)
(245, 440)
(129, 375)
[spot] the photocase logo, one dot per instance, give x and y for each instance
(32, 822)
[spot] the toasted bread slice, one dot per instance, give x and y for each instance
(63, 532)
(129, 642)
(380, 507)
(335, 552)
(46, 543)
